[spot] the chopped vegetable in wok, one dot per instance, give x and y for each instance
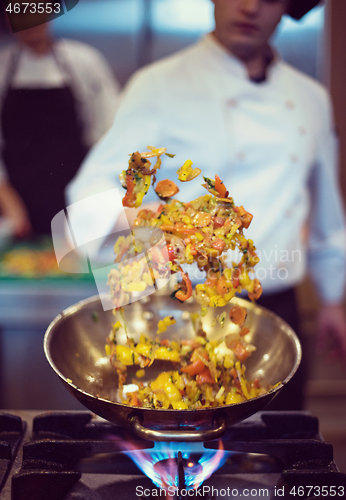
(201, 231)
(137, 178)
(205, 373)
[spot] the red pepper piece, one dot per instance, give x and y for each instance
(181, 295)
(195, 368)
(129, 199)
(205, 377)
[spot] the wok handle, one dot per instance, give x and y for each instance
(178, 435)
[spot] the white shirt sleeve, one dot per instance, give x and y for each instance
(104, 94)
(327, 238)
(135, 127)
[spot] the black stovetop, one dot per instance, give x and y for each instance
(74, 455)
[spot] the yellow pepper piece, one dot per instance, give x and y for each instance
(166, 220)
(165, 354)
(189, 256)
(147, 279)
(184, 171)
(161, 381)
(241, 380)
(228, 274)
(108, 350)
(140, 373)
(125, 354)
(201, 287)
(244, 279)
(169, 320)
(228, 296)
(118, 244)
(178, 380)
(172, 392)
(164, 400)
(217, 301)
(175, 345)
(228, 363)
(143, 349)
(164, 323)
(179, 405)
(186, 219)
(143, 191)
(199, 236)
(187, 173)
(233, 398)
(187, 165)
(254, 392)
(136, 287)
(254, 260)
(161, 327)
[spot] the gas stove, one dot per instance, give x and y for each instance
(75, 455)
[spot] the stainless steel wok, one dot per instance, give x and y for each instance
(74, 345)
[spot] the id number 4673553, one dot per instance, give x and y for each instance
(317, 491)
(34, 8)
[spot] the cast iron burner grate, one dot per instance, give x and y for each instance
(63, 446)
(11, 433)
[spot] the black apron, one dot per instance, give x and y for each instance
(43, 146)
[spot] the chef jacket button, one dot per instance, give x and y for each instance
(288, 212)
(290, 104)
(232, 103)
(294, 158)
(302, 130)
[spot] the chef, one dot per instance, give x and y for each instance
(232, 106)
(57, 98)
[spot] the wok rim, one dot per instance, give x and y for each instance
(257, 309)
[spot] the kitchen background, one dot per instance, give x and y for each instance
(131, 33)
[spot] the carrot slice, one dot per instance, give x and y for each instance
(181, 295)
(220, 187)
(130, 197)
(166, 189)
(237, 315)
(257, 290)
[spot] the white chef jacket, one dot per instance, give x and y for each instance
(81, 67)
(272, 143)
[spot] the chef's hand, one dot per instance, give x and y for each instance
(12, 207)
(332, 331)
(21, 223)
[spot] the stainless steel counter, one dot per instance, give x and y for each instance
(26, 309)
(37, 302)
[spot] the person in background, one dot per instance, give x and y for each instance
(57, 98)
(232, 106)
